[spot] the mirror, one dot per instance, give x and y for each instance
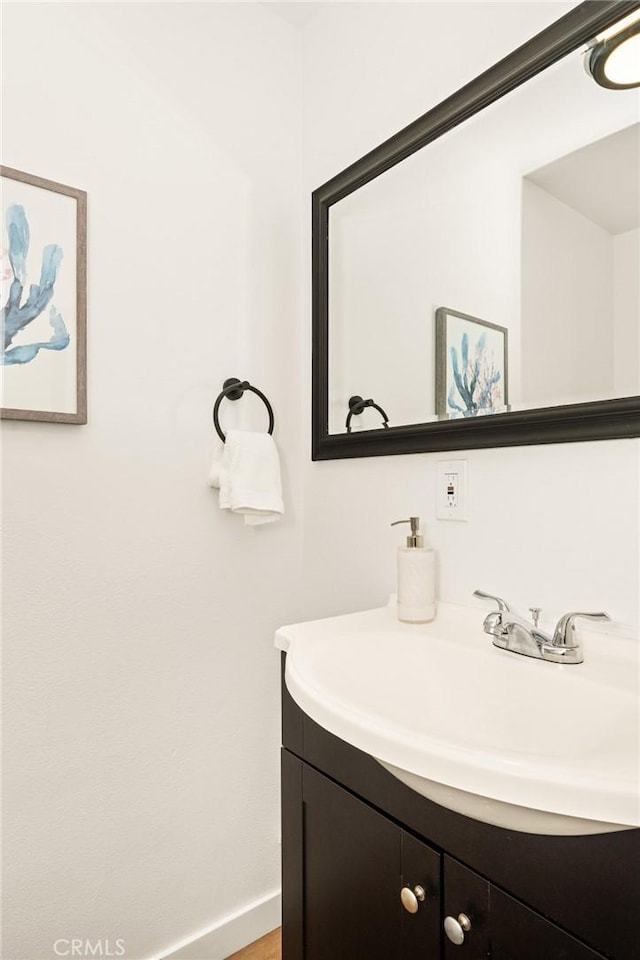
(477, 277)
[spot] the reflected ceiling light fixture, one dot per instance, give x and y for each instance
(613, 58)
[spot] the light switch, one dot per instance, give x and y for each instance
(451, 490)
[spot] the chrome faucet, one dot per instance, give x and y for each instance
(515, 633)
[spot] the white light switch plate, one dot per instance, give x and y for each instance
(451, 490)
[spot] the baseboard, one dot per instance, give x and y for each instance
(231, 934)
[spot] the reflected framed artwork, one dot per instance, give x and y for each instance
(471, 366)
(43, 369)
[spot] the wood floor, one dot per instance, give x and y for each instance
(266, 948)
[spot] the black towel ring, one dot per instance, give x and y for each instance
(357, 405)
(233, 389)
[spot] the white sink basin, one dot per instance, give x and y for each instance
(520, 743)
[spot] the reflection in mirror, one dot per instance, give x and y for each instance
(525, 217)
(581, 342)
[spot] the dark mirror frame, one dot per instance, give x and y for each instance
(599, 420)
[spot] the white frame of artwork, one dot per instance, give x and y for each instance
(71, 374)
(447, 322)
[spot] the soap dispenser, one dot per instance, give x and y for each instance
(416, 577)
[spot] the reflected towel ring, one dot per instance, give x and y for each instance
(357, 405)
(233, 389)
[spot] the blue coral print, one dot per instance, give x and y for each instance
(17, 315)
(476, 389)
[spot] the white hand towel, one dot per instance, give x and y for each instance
(248, 475)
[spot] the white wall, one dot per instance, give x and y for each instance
(141, 685)
(567, 303)
(554, 526)
(626, 312)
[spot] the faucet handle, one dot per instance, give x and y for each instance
(503, 607)
(565, 632)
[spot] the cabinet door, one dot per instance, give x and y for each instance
(466, 903)
(500, 927)
(518, 933)
(352, 878)
(421, 931)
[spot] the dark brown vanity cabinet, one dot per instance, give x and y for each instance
(359, 848)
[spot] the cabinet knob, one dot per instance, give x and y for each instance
(411, 899)
(456, 929)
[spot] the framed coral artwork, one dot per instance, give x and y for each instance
(471, 366)
(43, 369)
